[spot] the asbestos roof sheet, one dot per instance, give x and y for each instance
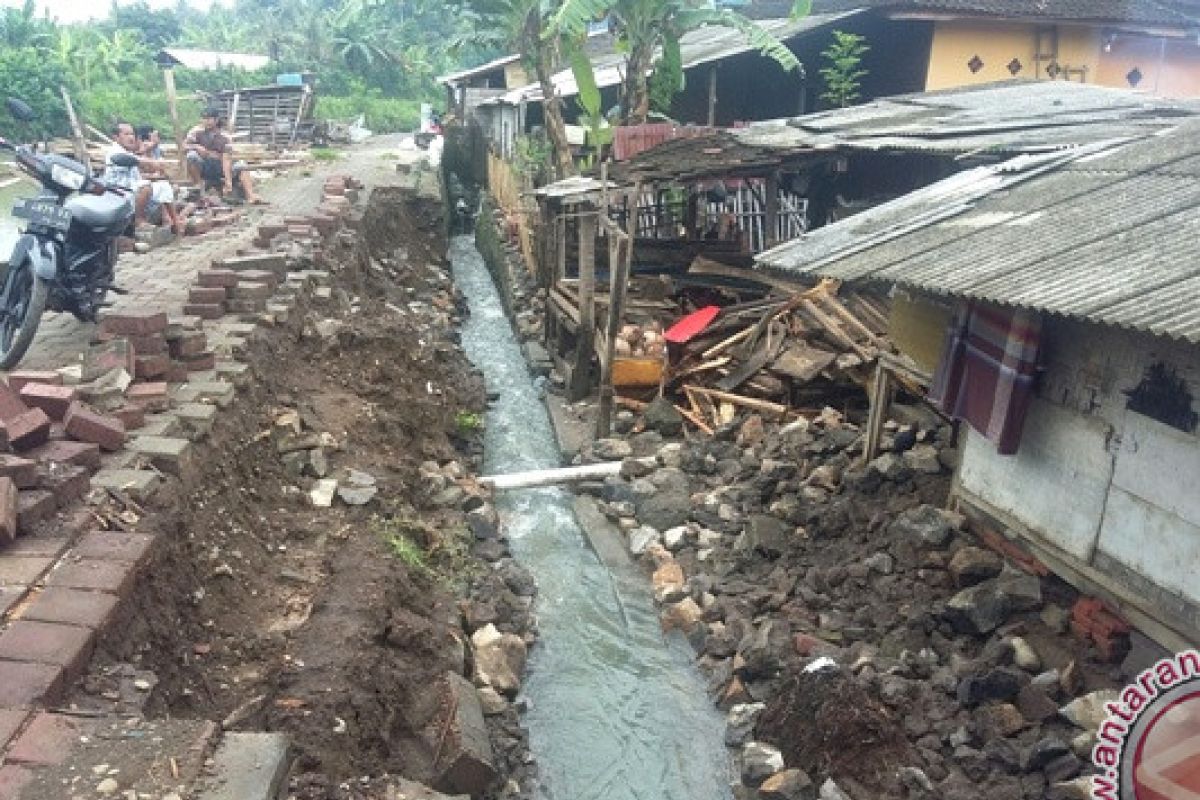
(499, 63)
(1145, 12)
(1105, 234)
(210, 59)
(702, 46)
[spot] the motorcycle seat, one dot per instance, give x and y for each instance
(100, 211)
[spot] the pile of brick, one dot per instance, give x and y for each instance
(240, 285)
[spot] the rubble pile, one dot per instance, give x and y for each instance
(861, 641)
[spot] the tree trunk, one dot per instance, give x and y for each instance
(635, 90)
(543, 65)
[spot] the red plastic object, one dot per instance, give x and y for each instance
(691, 325)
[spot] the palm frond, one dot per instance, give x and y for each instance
(574, 16)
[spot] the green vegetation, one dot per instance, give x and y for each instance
(842, 73)
(468, 421)
(441, 554)
(377, 58)
(324, 154)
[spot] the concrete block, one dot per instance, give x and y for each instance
(35, 506)
(22, 471)
(137, 483)
(466, 764)
(205, 310)
(23, 684)
(170, 455)
(249, 766)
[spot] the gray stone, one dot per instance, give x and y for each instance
(890, 466)
(740, 722)
(316, 465)
(665, 510)
(322, 493)
(641, 538)
(972, 565)
(759, 762)
(1089, 712)
(926, 524)
(499, 659)
(764, 534)
(467, 760)
(357, 496)
(882, 563)
(923, 458)
(248, 766)
(661, 416)
(984, 607)
(791, 784)
(1024, 656)
(1000, 683)
(611, 449)
(831, 791)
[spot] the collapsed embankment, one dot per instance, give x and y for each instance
(281, 601)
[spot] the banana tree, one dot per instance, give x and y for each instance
(649, 32)
(524, 25)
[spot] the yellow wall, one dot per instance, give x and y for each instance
(515, 76)
(917, 326)
(1170, 67)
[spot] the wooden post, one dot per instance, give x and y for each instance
(585, 336)
(712, 96)
(173, 106)
(771, 222)
(233, 112)
(619, 268)
(81, 152)
(881, 390)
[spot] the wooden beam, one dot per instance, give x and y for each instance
(881, 390)
(771, 211)
(81, 151)
(712, 96)
(581, 370)
(173, 107)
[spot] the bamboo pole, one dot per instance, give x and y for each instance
(735, 399)
(81, 152)
(552, 477)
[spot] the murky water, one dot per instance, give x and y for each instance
(9, 224)
(617, 710)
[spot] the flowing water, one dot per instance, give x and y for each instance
(617, 711)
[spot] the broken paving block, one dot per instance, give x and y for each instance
(107, 357)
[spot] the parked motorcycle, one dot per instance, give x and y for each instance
(65, 257)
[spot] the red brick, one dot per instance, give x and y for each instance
(113, 577)
(148, 345)
(207, 294)
(135, 324)
(19, 570)
(23, 684)
(79, 454)
(47, 740)
(12, 780)
(150, 397)
(115, 546)
(201, 362)
(27, 431)
(54, 400)
(252, 290)
(22, 471)
(148, 367)
(192, 343)
(8, 511)
(11, 720)
(205, 310)
(35, 506)
(48, 643)
(266, 276)
(131, 416)
(11, 404)
(21, 377)
(178, 372)
(247, 306)
(216, 278)
(87, 425)
(79, 607)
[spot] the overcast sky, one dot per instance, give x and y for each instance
(79, 10)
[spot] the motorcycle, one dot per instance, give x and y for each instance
(65, 257)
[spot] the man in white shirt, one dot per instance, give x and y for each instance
(161, 192)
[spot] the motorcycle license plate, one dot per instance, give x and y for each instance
(43, 212)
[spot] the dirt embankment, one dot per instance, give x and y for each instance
(330, 623)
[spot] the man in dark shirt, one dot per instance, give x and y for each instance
(210, 159)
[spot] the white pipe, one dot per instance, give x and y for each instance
(552, 477)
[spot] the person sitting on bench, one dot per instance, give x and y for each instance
(210, 160)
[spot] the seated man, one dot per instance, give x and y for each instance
(128, 178)
(162, 193)
(210, 159)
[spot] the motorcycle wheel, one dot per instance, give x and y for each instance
(19, 322)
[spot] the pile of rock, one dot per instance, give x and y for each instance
(777, 553)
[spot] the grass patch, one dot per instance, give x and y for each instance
(324, 154)
(468, 421)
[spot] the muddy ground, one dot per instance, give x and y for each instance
(330, 624)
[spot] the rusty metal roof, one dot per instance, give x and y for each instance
(1105, 234)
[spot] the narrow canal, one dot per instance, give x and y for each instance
(617, 710)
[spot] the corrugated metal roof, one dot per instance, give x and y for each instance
(455, 77)
(210, 59)
(1106, 234)
(702, 46)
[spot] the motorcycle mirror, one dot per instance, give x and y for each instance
(20, 109)
(124, 160)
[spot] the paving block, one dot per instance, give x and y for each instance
(181, 323)
(87, 425)
(219, 392)
(98, 575)
(245, 308)
(165, 424)
(149, 345)
(19, 378)
(197, 363)
(11, 720)
(191, 343)
(233, 371)
(131, 416)
(196, 417)
(65, 646)
(151, 367)
(24, 683)
(133, 548)
(80, 607)
(205, 310)
(35, 506)
(22, 471)
(48, 547)
(79, 454)
(8, 511)
(268, 277)
(48, 739)
(207, 295)
(217, 278)
(11, 404)
(21, 570)
(274, 262)
(53, 400)
(67, 482)
(9, 595)
(234, 346)
(134, 324)
(150, 397)
(249, 766)
(168, 454)
(139, 484)
(28, 430)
